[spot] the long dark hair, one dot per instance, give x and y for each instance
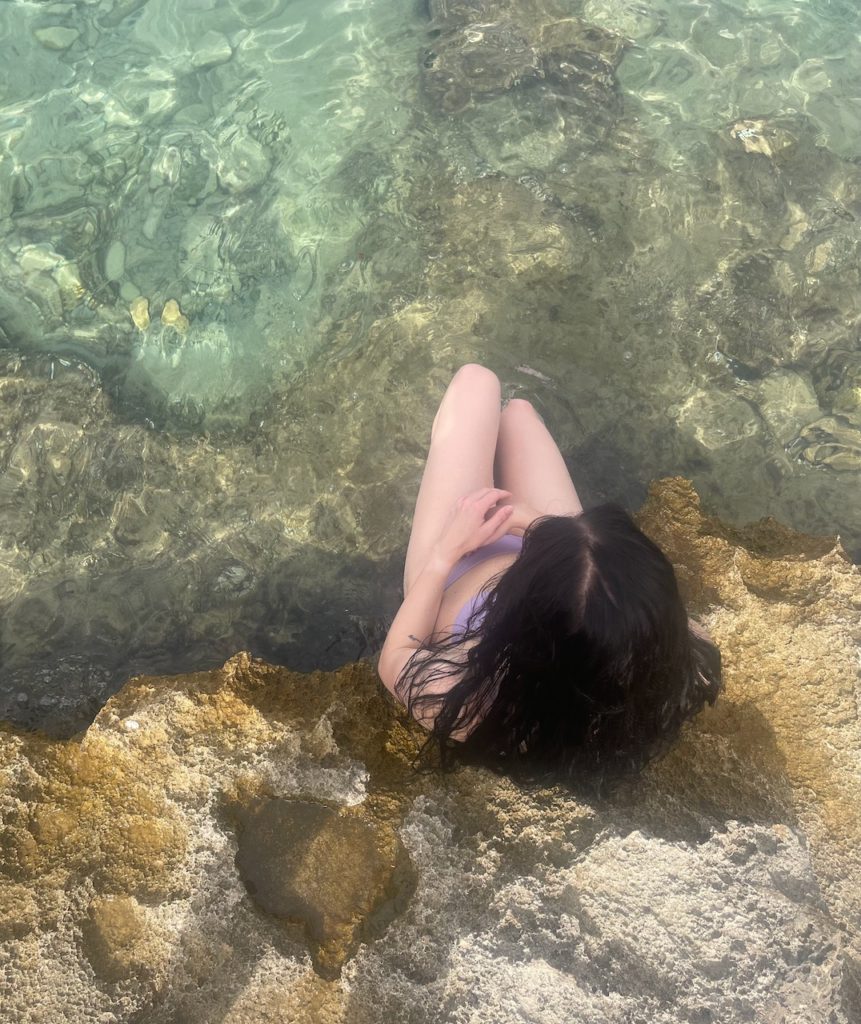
(583, 666)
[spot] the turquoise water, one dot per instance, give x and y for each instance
(190, 151)
(243, 245)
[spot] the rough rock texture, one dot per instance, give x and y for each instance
(287, 850)
(139, 865)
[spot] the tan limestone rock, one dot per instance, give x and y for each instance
(120, 940)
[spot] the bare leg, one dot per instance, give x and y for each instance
(530, 465)
(460, 459)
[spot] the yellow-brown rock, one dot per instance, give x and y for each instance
(87, 814)
(172, 316)
(119, 939)
(139, 312)
(335, 873)
(785, 737)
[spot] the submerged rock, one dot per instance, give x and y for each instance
(716, 421)
(756, 135)
(504, 227)
(832, 443)
(56, 37)
(254, 844)
(69, 282)
(115, 261)
(243, 163)
(139, 312)
(173, 316)
(785, 400)
(485, 49)
(213, 48)
(626, 17)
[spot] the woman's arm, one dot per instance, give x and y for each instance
(473, 523)
(415, 620)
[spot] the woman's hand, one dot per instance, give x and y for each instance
(474, 522)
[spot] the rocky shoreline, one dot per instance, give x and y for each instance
(251, 844)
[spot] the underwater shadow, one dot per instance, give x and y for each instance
(66, 646)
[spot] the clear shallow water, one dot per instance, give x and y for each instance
(643, 215)
(180, 151)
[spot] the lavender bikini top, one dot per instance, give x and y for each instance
(507, 544)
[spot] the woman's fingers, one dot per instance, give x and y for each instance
(489, 496)
(476, 520)
(492, 503)
(484, 492)
(496, 525)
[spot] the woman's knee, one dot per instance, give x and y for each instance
(517, 415)
(475, 377)
(471, 384)
(518, 408)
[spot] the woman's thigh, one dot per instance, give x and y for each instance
(460, 459)
(530, 465)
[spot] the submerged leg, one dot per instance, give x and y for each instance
(530, 465)
(460, 459)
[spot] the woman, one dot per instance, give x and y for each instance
(535, 635)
